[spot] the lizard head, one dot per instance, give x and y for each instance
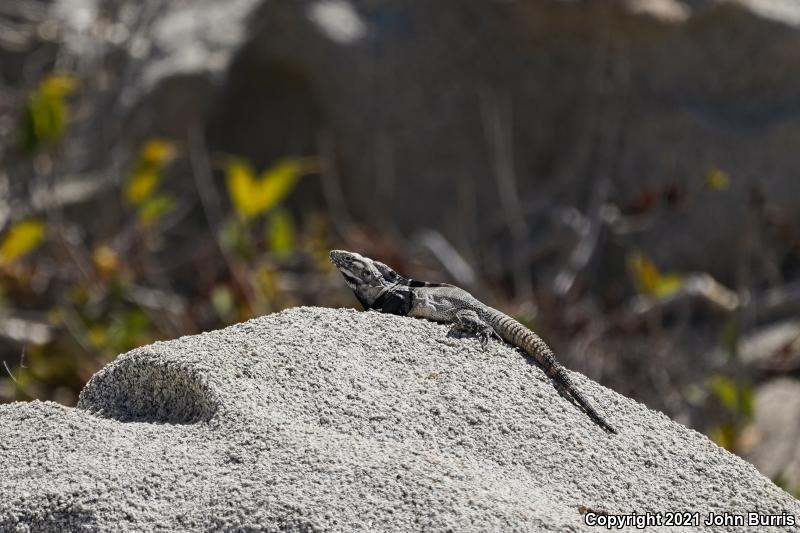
(368, 279)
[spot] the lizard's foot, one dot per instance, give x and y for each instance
(467, 322)
(485, 334)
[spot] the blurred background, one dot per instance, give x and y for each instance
(620, 175)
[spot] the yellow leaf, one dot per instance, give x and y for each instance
(278, 181)
(142, 184)
(21, 239)
(717, 179)
(643, 271)
(251, 196)
(158, 152)
(242, 188)
(667, 284)
(281, 233)
(649, 280)
(106, 260)
(153, 156)
(58, 85)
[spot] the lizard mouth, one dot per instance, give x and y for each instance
(338, 257)
(343, 260)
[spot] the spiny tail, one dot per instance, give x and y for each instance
(515, 333)
(559, 375)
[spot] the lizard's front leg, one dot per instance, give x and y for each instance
(467, 321)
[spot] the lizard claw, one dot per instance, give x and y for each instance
(467, 322)
(455, 331)
(486, 334)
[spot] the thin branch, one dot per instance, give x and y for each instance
(448, 257)
(10, 374)
(332, 186)
(498, 129)
(212, 207)
(609, 131)
(17, 379)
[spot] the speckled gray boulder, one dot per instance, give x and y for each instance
(323, 419)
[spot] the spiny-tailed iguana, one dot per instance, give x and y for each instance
(380, 288)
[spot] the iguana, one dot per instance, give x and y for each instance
(380, 288)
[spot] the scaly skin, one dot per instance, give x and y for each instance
(379, 287)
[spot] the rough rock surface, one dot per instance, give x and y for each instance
(322, 419)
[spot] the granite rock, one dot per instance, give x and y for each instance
(320, 419)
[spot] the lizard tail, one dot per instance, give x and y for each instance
(562, 380)
(515, 333)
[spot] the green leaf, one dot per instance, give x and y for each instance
(155, 208)
(781, 481)
(49, 117)
(97, 335)
(46, 114)
(725, 436)
(747, 401)
(235, 237)
(281, 233)
(737, 398)
(136, 327)
(729, 338)
(21, 239)
(129, 329)
(726, 391)
(223, 301)
(267, 280)
(230, 234)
